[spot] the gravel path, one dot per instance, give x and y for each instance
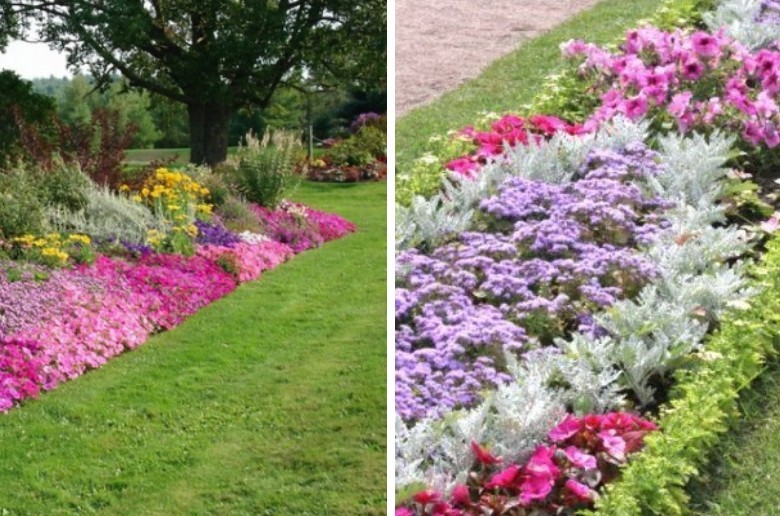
(439, 45)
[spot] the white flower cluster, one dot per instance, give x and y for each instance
(253, 238)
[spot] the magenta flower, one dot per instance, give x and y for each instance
(464, 166)
(540, 474)
(427, 497)
(580, 491)
(706, 45)
(635, 107)
(753, 132)
(692, 69)
(579, 458)
(549, 125)
(504, 479)
(565, 429)
(613, 444)
(461, 495)
(483, 456)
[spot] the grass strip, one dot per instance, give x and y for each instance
(515, 79)
(269, 401)
(746, 457)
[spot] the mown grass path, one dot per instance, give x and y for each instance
(269, 401)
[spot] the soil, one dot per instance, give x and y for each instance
(440, 45)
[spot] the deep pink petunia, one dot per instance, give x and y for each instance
(482, 455)
(579, 458)
(565, 429)
(580, 491)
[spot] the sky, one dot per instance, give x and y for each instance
(33, 60)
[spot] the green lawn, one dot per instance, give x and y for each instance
(269, 401)
(144, 156)
(743, 476)
(514, 79)
(140, 157)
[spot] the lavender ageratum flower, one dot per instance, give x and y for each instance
(548, 257)
(769, 12)
(215, 234)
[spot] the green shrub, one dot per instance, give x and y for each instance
(65, 185)
(426, 173)
(360, 149)
(264, 170)
(21, 206)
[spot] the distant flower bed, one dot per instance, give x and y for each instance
(323, 170)
(359, 157)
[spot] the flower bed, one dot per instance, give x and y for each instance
(499, 340)
(57, 323)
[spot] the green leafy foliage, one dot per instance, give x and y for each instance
(236, 216)
(21, 207)
(682, 13)
(64, 185)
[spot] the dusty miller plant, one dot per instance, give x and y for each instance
(740, 18)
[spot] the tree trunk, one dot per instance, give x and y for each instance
(209, 124)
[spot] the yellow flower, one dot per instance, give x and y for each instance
(124, 188)
(84, 239)
(145, 192)
(39, 242)
(54, 253)
(137, 198)
(191, 230)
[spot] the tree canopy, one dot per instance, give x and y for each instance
(215, 56)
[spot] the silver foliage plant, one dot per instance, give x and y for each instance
(107, 215)
(648, 335)
(741, 20)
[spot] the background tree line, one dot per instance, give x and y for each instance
(163, 123)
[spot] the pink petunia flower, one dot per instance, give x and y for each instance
(565, 429)
(579, 458)
(580, 491)
(704, 44)
(613, 444)
(503, 479)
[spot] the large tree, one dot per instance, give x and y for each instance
(214, 56)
